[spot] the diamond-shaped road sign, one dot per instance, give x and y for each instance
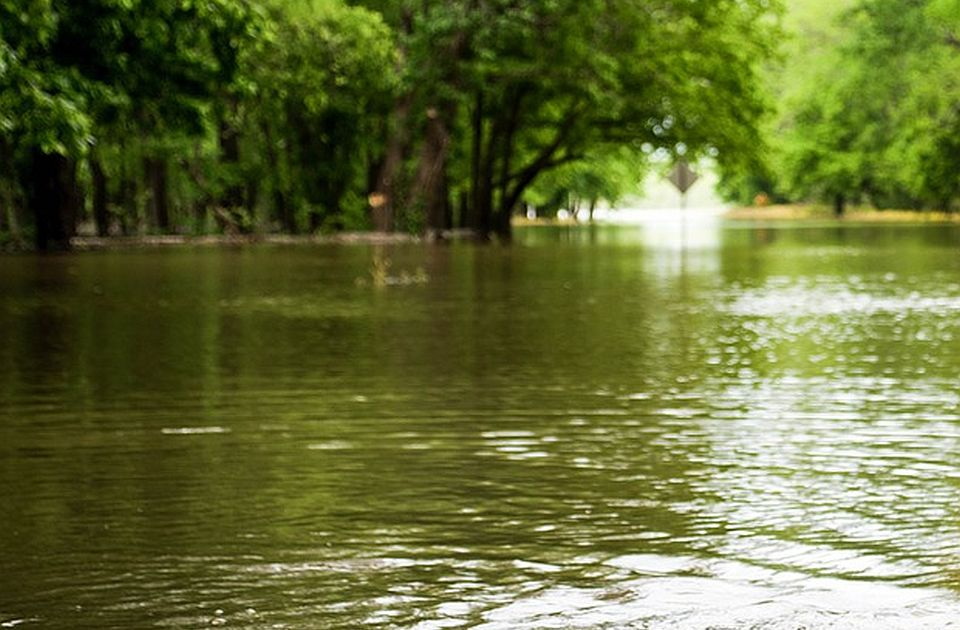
(683, 177)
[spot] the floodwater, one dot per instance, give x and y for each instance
(609, 427)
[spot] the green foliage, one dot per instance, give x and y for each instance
(871, 114)
(607, 176)
(323, 85)
(520, 88)
(271, 114)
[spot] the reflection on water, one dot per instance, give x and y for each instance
(593, 428)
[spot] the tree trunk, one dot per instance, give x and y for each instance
(430, 183)
(483, 194)
(316, 220)
(472, 218)
(158, 208)
(384, 198)
(502, 223)
(251, 197)
(101, 215)
(9, 210)
(281, 205)
(52, 198)
(593, 206)
(230, 157)
(839, 205)
(284, 212)
(463, 210)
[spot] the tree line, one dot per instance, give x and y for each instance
(191, 116)
(868, 95)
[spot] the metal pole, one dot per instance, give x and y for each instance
(683, 220)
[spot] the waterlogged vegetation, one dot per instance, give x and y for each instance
(172, 116)
(682, 422)
(143, 116)
(868, 107)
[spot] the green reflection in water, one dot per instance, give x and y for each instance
(594, 426)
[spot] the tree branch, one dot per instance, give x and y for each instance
(544, 160)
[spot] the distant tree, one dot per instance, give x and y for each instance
(605, 176)
(872, 115)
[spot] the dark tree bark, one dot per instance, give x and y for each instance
(52, 198)
(128, 193)
(316, 220)
(158, 205)
(472, 218)
(463, 210)
(8, 212)
(430, 185)
(386, 195)
(230, 156)
(101, 215)
(502, 225)
(281, 204)
(284, 212)
(839, 205)
(545, 160)
(128, 201)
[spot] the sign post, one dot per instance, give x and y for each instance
(683, 177)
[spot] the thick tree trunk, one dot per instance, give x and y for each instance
(128, 193)
(502, 223)
(158, 208)
(316, 220)
(473, 218)
(100, 213)
(284, 212)
(230, 157)
(386, 194)
(546, 159)
(463, 210)
(252, 198)
(9, 210)
(281, 203)
(839, 205)
(483, 194)
(52, 198)
(430, 189)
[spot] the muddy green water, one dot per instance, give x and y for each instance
(594, 428)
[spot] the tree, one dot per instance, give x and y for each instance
(871, 116)
(322, 85)
(606, 176)
(540, 84)
(72, 66)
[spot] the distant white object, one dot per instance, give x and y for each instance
(562, 214)
(531, 212)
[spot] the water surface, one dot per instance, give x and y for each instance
(647, 426)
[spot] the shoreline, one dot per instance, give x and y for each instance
(773, 214)
(87, 243)
(806, 213)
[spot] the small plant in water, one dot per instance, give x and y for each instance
(380, 271)
(380, 275)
